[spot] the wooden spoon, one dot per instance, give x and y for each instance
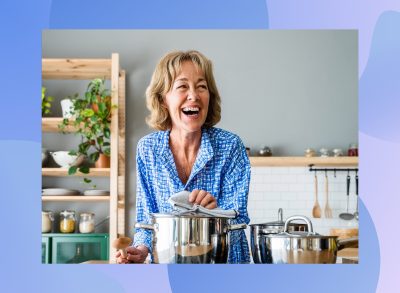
(327, 209)
(316, 211)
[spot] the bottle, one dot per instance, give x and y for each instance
(86, 223)
(67, 221)
(47, 221)
(353, 150)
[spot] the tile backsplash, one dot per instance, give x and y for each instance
(292, 189)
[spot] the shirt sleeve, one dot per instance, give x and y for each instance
(235, 189)
(145, 202)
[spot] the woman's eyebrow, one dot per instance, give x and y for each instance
(185, 79)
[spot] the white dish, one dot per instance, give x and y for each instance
(96, 192)
(64, 160)
(59, 191)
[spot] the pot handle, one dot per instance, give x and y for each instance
(234, 227)
(347, 243)
(302, 218)
(145, 226)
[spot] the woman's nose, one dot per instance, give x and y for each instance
(192, 95)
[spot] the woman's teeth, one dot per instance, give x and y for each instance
(190, 110)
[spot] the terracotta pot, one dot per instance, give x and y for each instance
(102, 162)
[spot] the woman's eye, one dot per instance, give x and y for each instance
(182, 86)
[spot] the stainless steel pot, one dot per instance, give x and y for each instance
(298, 247)
(190, 238)
(270, 228)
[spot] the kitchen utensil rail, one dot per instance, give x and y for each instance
(334, 170)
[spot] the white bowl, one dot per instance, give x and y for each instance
(64, 160)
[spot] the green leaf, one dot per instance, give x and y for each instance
(72, 170)
(106, 144)
(83, 147)
(94, 156)
(72, 153)
(86, 180)
(107, 132)
(84, 170)
(88, 112)
(100, 140)
(107, 152)
(102, 107)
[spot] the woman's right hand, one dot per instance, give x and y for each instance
(133, 255)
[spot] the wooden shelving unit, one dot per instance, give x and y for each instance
(84, 198)
(87, 69)
(302, 161)
(51, 125)
(61, 172)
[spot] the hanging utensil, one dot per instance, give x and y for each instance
(327, 209)
(316, 211)
(347, 216)
(356, 212)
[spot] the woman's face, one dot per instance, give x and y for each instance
(188, 99)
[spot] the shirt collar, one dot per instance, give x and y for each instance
(204, 155)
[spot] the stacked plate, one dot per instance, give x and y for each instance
(96, 192)
(59, 191)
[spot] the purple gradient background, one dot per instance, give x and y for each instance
(20, 138)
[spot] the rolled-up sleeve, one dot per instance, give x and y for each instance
(235, 190)
(145, 203)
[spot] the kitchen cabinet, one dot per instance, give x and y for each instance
(87, 69)
(74, 248)
(46, 249)
(303, 161)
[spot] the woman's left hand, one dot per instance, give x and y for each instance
(203, 198)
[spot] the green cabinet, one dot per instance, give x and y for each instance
(74, 248)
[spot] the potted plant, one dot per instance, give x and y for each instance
(46, 102)
(92, 122)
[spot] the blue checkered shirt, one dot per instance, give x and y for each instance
(222, 168)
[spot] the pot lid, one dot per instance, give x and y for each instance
(277, 224)
(185, 215)
(299, 235)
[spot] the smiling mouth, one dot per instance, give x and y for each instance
(191, 111)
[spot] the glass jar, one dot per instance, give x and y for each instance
(47, 221)
(67, 221)
(324, 152)
(86, 223)
(337, 152)
(309, 153)
(353, 150)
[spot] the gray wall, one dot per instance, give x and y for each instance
(286, 89)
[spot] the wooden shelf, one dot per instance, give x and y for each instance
(302, 161)
(76, 68)
(61, 172)
(75, 198)
(88, 69)
(50, 124)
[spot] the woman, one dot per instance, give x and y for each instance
(188, 153)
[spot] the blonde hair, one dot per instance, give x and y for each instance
(167, 69)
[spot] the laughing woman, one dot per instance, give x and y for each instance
(188, 152)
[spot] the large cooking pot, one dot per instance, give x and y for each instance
(190, 238)
(298, 247)
(274, 227)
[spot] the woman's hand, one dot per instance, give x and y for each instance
(203, 198)
(134, 255)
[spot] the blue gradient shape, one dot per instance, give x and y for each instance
(380, 83)
(152, 14)
(362, 277)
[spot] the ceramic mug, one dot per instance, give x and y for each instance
(67, 106)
